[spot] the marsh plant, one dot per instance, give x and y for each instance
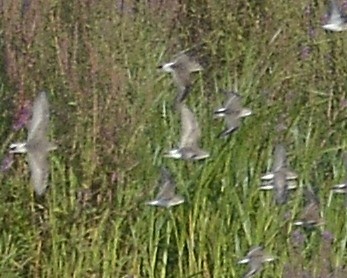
(113, 119)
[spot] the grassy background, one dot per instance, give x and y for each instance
(112, 117)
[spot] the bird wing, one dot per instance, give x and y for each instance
(189, 63)
(254, 267)
(38, 124)
(310, 215)
(281, 187)
(182, 93)
(335, 13)
(182, 67)
(232, 121)
(290, 174)
(233, 103)
(181, 77)
(39, 171)
(190, 133)
(280, 158)
(167, 187)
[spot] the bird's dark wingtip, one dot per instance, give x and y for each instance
(226, 133)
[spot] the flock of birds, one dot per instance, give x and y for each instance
(281, 179)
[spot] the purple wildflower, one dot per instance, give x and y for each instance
(311, 32)
(324, 19)
(305, 52)
(328, 236)
(343, 103)
(22, 116)
(298, 238)
(6, 163)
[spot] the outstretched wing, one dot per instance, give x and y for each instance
(281, 187)
(280, 158)
(335, 14)
(38, 164)
(182, 67)
(167, 187)
(232, 122)
(233, 103)
(38, 125)
(190, 133)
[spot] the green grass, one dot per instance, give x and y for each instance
(112, 116)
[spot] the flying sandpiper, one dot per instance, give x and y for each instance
(37, 145)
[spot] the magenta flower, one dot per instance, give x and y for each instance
(22, 116)
(6, 163)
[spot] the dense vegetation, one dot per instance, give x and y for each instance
(112, 116)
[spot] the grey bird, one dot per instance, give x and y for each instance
(255, 259)
(280, 176)
(190, 135)
(342, 187)
(233, 112)
(37, 145)
(166, 196)
(181, 68)
(310, 216)
(337, 21)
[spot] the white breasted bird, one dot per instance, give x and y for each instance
(167, 196)
(37, 145)
(233, 112)
(255, 259)
(280, 176)
(190, 135)
(181, 67)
